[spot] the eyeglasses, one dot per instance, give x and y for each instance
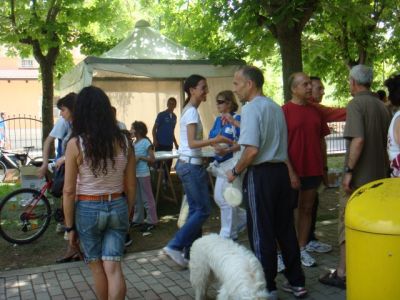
(221, 101)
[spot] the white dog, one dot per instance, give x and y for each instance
(236, 268)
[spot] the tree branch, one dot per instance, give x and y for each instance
(53, 11)
(308, 12)
(12, 15)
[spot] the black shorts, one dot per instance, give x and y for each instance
(310, 182)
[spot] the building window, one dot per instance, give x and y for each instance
(27, 63)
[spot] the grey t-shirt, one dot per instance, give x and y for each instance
(368, 118)
(263, 126)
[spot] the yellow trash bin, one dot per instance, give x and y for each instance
(373, 241)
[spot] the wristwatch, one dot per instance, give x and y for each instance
(69, 229)
(347, 169)
(234, 173)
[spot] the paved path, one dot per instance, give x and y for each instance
(149, 275)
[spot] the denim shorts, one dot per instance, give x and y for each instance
(102, 227)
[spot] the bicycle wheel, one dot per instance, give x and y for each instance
(24, 216)
(3, 171)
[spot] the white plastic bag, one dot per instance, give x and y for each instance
(233, 194)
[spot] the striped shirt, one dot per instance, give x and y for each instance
(88, 184)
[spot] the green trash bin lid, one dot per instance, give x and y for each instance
(375, 207)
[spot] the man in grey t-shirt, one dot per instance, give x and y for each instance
(266, 185)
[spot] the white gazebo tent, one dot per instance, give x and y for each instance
(143, 71)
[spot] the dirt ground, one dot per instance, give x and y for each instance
(51, 245)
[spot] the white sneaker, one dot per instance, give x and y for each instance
(176, 256)
(306, 259)
(317, 246)
(281, 264)
(60, 228)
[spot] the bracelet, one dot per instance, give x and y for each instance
(69, 229)
(234, 173)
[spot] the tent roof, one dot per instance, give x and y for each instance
(145, 53)
(146, 43)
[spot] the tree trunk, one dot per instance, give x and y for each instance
(289, 40)
(47, 101)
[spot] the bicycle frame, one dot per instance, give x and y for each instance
(7, 158)
(28, 214)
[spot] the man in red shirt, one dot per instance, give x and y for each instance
(307, 156)
(330, 114)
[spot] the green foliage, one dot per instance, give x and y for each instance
(75, 23)
(49, 29)
(344, 33)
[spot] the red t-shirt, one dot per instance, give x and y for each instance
(330, 114)
(305, 127)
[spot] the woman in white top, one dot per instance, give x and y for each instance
(191, 170)
(393, 147)
(99, 190)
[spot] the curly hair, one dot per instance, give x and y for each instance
(95, 123)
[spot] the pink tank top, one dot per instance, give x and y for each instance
(113, 182)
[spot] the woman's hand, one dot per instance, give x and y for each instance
(73, 240)
(60, 162)
(220, 139)
(221, 151)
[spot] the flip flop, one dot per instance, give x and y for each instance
(332, 279)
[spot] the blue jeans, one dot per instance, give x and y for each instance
(102, 227)
(195, 184)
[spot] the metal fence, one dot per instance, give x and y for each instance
(20, 131)
(335, 142)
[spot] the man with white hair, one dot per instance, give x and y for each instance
(367, 123)
(266, 184)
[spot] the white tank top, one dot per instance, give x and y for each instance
(393, 148)
(113, 182)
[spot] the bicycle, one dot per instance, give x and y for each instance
(25, 214)
(17, 159)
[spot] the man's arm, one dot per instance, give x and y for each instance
(175, 143)
(154, 132)
(46, 151)
(355, 149)
(248, 155)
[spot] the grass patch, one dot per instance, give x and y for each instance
(6, 188)
(336, 162)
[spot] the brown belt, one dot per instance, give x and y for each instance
(107, 197)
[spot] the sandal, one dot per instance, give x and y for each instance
(68, 258)
(331, 278)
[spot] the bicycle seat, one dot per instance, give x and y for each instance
(21, 156)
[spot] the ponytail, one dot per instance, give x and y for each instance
(191, 82)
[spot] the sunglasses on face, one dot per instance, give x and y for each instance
(221, 101)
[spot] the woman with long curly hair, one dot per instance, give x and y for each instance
(99, 190)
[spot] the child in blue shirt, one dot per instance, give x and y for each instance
(144, 153)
